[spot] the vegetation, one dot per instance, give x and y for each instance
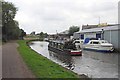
(41, 66)
(42, 36)
(22, 34)
(31, 36)
(10, 27)
(73, 29)
(32, 33)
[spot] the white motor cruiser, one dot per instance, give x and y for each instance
(99, 45)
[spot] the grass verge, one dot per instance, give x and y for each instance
(41, 66)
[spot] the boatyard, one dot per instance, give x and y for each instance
(92, 64)
(60, 39)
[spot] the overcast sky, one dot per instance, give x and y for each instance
(51, 15)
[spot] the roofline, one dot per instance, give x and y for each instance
(100, 29)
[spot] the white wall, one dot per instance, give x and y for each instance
(89, 35)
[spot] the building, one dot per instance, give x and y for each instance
(64, 34)
(119, 12)
(88, 26)
(119, 23)
(59, 36)
(96, 26)
(109, 33)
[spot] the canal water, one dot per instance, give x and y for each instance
(92, 64)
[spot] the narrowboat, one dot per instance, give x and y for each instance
(67, 48)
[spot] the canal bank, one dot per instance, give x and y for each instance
(93, 64)
(41, 66)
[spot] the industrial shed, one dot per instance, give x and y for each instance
(109, 33)
(119, 23)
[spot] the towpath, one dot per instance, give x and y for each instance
(13, 65)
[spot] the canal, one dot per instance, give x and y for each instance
(92, 64)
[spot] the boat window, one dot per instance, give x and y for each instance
(77, 41)
(81, 41)
(96, 43)
(104, 42)
(90, 42)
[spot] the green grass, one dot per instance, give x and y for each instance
(41, 66)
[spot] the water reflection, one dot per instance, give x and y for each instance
(64, 59)
(93, 64)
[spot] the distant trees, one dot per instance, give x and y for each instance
(10, 27)
(22, 33)
(45, 35)
(73, 29)
(42, 35)
(32, 33)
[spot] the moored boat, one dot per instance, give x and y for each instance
(99, 45)
(65, 48)
(78, 43)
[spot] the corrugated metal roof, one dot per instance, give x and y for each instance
(99, 29)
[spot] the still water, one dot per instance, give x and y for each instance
(92, 64)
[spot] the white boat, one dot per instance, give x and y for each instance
(99, 45)
(78, 43)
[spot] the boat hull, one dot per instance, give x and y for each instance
(65, 52)
(99, 49)
(57, 50)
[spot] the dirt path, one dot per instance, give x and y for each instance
(12, 64)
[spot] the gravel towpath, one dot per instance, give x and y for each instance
(13, 65)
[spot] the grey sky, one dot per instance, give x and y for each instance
(51, 15)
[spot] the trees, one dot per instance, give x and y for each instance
(12, 30)
(22, 33)
(32, 33)
(73, 29)
(42, 35)
(10, 27)
(45, 35)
